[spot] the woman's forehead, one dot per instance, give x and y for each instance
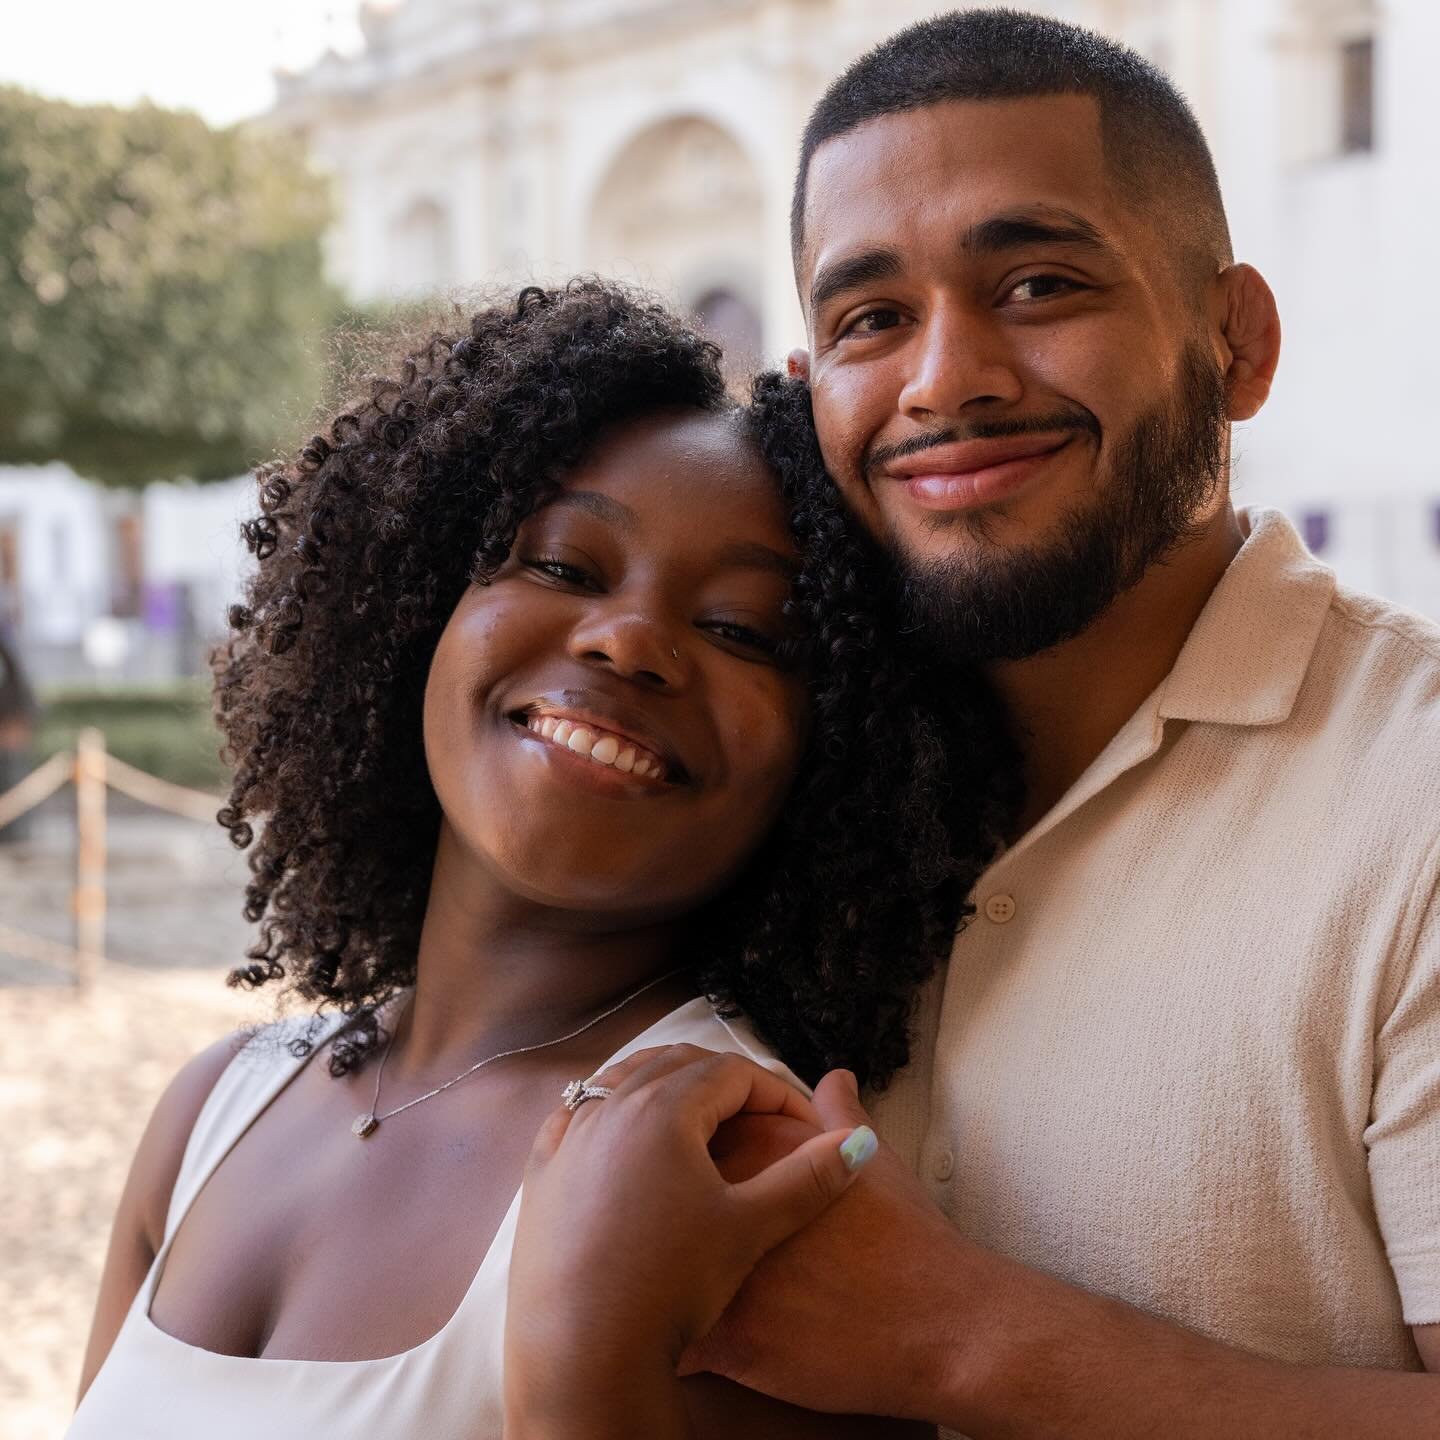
(691, 467)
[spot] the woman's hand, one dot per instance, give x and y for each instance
(630, 1242)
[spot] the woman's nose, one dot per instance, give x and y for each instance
(632, 643)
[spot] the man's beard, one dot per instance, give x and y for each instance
(994, 604)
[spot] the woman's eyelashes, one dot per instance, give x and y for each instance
(562, 572)
(756, 638)
(739, 633)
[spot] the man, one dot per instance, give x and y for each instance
(1175, 1106)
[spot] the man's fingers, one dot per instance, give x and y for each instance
(788, 1195)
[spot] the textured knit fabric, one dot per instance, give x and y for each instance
(155, 1387)
(1187, 1053)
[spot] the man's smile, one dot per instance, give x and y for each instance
(968, 474)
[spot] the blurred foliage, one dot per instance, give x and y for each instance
(162, 296)
(164, 729)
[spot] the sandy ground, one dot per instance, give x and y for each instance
(79, 1075)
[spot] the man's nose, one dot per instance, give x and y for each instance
(630, 641)
(962, 360)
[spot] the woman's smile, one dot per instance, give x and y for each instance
(597, 747)
(628, 649)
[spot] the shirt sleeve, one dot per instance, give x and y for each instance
(1403, 1136)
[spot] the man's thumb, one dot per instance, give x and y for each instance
(838, 1101)
(788, 1195)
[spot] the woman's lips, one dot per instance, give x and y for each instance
(974, 473)
(599, 746)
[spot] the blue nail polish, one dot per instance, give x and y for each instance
(859, 1146)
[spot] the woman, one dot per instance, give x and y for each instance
(562, 716)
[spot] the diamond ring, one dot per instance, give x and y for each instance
(577, 1092)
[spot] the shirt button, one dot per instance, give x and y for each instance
(943, 1165)
(1000, 909)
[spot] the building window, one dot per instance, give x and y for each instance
(1315, 526)
(1357, 96)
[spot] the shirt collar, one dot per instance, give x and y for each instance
(1248, 653)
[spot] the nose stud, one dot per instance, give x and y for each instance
(674, 653)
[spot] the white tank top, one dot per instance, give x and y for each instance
(155, 1387)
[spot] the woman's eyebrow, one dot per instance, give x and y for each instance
(603, 507)
(751, 555)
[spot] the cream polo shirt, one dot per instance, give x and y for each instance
(1187, 1053)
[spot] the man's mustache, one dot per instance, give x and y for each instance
(1078, 420)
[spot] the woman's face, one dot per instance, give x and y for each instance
(606, 725)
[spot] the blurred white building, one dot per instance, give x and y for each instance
(110, 584)
(484, 140)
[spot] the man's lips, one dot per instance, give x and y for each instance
(969, 473)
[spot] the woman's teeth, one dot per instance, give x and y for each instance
(597, 745)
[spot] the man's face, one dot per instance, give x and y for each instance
(1013, 385)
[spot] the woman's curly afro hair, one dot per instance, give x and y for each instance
(365, 543)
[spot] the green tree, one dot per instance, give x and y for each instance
(162, 297)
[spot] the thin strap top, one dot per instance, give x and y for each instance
(155, 1387)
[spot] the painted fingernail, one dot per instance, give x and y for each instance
(858, 1146)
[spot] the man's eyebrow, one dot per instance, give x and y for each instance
(613, 512)
(751, 555)
(1048, 225)
(880, 263)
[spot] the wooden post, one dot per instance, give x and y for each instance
(89, 897)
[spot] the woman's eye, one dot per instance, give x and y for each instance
(560, 570)
(745, 635)
(1044, 287)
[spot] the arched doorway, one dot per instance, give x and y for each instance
(680, 211)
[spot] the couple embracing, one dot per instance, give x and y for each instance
(931, 731)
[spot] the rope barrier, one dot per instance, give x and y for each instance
(38, 786)
(91, 770)
(42, 782)
(37, 948)
(162, 794)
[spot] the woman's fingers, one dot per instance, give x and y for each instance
(706, 1086)
(788, 1194)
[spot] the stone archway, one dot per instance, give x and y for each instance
(680, 210)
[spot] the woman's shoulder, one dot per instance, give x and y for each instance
(161, 1151)
(160, 1155)
(723, 1029)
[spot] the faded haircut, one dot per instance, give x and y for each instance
(1154, 146)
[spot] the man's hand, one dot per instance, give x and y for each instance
(880, 1305)
(829, 1320)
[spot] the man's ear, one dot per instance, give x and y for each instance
(1249, 336)
(797, 364)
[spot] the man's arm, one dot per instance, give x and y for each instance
(881, 1305)
(1041, 1358)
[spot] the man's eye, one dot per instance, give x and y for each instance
(1044, 287)
(560, 570)
(872, 321)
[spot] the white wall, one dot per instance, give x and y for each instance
(514, 112)
(63, 549)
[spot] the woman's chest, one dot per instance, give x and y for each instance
(308, 1243)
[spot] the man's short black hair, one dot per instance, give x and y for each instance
(1153, 143)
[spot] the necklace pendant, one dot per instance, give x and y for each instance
(364, 1125)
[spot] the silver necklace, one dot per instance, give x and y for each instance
(367, 1124)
